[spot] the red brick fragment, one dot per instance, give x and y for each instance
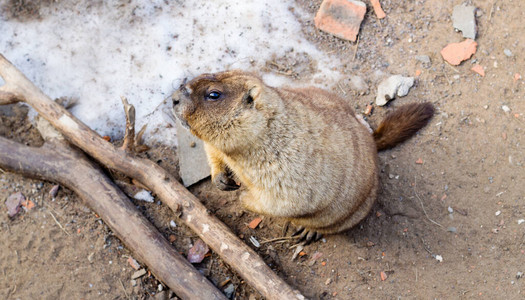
(341, 18)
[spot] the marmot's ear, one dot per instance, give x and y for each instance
(252, 95)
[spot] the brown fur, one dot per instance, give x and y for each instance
(301, 154)
(401, 124)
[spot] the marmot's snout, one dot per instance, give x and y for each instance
(183, 107)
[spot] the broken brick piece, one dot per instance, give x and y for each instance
(254, 223)
(341, 18)
(478, 69)
(380, 13)
(455, 53)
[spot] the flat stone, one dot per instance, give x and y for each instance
(138, 274)
(192, 157)
(392, 86)
(464, 20)
(341, 18)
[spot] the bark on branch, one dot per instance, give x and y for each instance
(218, 236)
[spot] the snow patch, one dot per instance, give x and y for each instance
(97, 51)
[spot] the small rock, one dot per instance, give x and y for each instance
(314, 258)
(383, 276)
(173, 224)
(519, 275)
(507, 52)
(341, 18)
(505, 108)
(450, 210)
(144, 195)
(229, 290)
(368, 110)
(425, 60)
(452, 229)
(192, 157)
(392, 86)
(54, 191)
(138, 274)
(464, 20)
(498, 213)
(521, 221)
(13, 203)
(455, 53)
(439, 258)
(133, 263)
(90, 257)
(197, 252)
(328, 281)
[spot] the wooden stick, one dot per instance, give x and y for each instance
(212, 231)
(58, 162)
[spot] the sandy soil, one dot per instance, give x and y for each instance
(473, 165)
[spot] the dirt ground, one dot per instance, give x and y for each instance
(449, 227)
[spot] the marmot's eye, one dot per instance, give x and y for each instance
(213, 96)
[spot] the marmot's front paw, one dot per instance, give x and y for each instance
(224, 182)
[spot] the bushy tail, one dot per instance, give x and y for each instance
(402, 123)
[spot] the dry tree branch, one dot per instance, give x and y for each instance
(213, 232)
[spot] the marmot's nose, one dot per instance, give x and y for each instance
(176, 97)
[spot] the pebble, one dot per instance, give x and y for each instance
(439, 258)
(341, 18)
(452, 229)
(54, 190)
(229, 290)
(13, 203)
(507, 52)
(464, 20)
(521, 221)
(392, 86)
(519, 275)
(450, 210)
(173, 224)
(328, 281)
(498, 213)
(505, 108)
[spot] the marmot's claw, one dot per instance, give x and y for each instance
(307, 236)
(225, 183)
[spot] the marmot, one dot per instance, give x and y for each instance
(301, 153)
